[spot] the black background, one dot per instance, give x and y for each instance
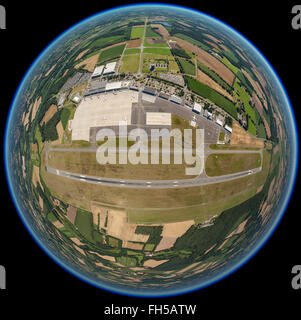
(33, 279)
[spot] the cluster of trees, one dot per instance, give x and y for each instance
(180, 53)
(154, 233)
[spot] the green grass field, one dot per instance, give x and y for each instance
(86, 163)
(127, 261)
(188, 66)
(209, 93)
(213, 75)
(159, 51)
(132, 51)
(65, 114)
(229, 65)
(111, 53)
(220, 164)
(151, 33)
(137, 32)
(130, 63)
(84, 223)
(104, 42)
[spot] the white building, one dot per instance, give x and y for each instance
(98, 71)
(113, 86)
(197, 107)
(110, 68)
(228, 128)
(76, 99)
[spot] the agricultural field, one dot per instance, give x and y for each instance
(158, 51)
(193, 41)
(132, 51)
(220, 164)
(110, 54)
(207, 59)
(150, 42)
(137, 32)
(151, 33)
(187, 66)
(84, 223)
(208, 93)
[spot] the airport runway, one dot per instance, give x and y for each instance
(163, 184)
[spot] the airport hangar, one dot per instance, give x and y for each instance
(117, 103)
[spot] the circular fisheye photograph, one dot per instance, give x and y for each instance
(151, 150)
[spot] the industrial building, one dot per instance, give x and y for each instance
(97, 72)
(109, 68)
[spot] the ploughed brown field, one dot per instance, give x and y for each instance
(202, 77)
(133, 43)
(161, 29)
(240, 137)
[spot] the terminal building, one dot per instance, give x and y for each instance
(175, 99)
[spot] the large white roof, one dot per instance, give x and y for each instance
(110, 67)
(113, 85)
(197, 107)
(98, 71)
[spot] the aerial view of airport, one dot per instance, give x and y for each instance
(149, 228)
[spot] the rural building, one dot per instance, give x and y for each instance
(110, 68)
(97, 72)
(158, 119)
(175, 99)
(197, 108)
